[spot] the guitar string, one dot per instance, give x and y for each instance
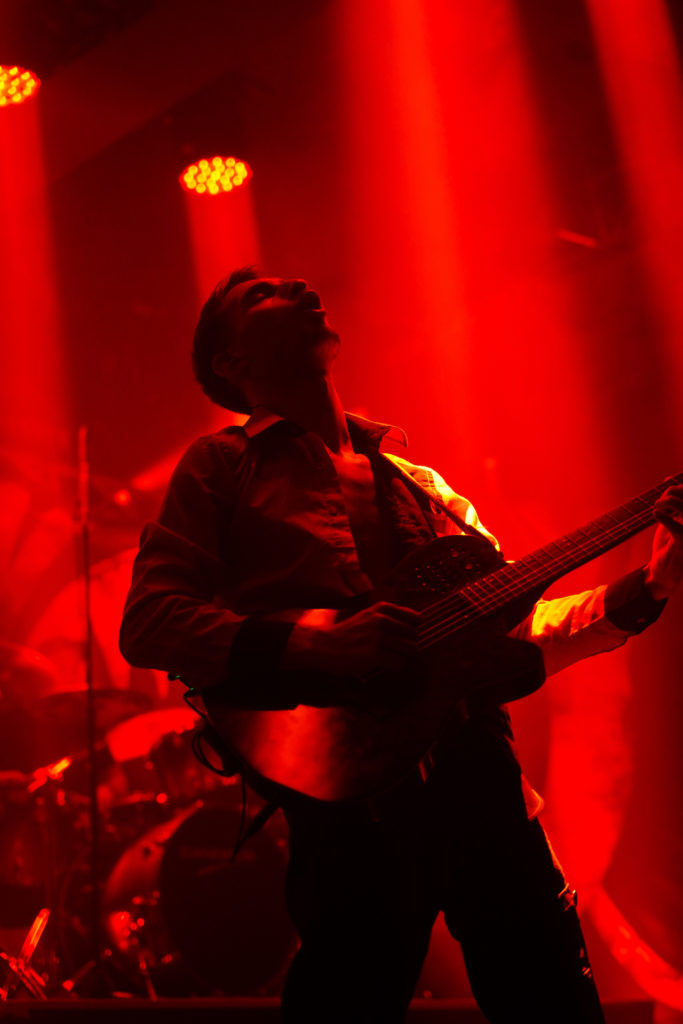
(562, 555)
(564, 561)
(541, 555)
(563, 558)
(436, 624)
(517, 570)
(475, 608)
(467, 615)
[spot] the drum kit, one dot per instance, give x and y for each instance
(150, 902)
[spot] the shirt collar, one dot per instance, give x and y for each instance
(371, 432)
(260, 421)
(362, 430)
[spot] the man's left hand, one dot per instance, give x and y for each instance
(664, 571)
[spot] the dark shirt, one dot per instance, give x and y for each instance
(254, 530)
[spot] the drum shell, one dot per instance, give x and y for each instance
(178, 905)
(38, 833)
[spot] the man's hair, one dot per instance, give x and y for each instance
(213, 334)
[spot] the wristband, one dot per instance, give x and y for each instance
(629, 605)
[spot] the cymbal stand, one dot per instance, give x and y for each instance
(18, 970)
(45, 788)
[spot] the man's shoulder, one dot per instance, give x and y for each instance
(221, 448)
(443, 497)
(425, 476)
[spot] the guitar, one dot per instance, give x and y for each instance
(467, 599)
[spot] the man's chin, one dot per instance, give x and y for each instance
(319, 350)
(329, 334)
(318, 327)
(321, 336)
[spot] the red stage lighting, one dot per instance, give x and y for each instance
(123, 497)
(17, 84)
(213, 176)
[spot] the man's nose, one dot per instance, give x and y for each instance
(291, 289)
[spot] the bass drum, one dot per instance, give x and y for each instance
(184, 918)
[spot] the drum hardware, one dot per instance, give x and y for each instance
(44, 818)
(177, 917)
(130, 935)
(183, 918)
(58, 784)
(18, 970)
(51, 772)
(36, 821)
(154, 771)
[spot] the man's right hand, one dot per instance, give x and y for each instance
(382, 636)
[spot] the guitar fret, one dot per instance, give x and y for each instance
(537, 570)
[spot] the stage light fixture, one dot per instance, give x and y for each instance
(215, 175)
(17, 84)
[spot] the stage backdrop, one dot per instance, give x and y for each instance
(488, 197)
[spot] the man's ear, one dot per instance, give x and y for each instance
(227, 364)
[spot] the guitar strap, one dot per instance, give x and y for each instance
(431, 494)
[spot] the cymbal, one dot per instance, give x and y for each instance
(67, 711)
(56, 725)
(137, 737)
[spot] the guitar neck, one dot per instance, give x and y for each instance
(549, 563)
(535, 572)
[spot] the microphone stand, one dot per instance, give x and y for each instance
(83, 521)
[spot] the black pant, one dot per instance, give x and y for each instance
(364, 894)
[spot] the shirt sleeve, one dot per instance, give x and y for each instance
(173, 618)
(568, 629)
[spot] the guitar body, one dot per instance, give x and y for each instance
(340, 747)
(358, 749)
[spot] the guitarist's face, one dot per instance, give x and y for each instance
(281, 332)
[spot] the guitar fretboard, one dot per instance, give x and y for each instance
(536, 571)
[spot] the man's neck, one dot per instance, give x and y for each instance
(315, 406)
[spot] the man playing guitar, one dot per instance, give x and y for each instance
(260, 585)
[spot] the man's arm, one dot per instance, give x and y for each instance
(664, 571)
(580, 625)
(173, 620)
(570, 628)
